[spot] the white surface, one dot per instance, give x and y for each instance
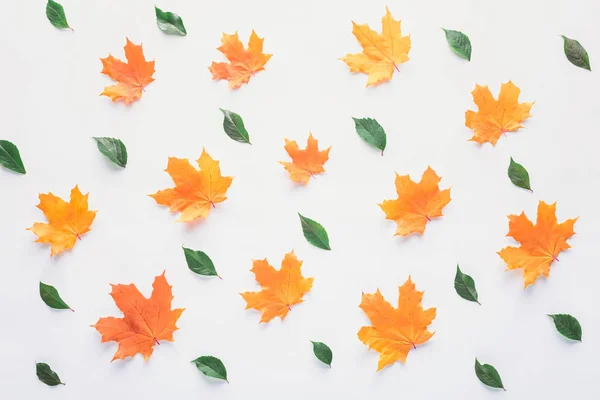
(52, 109)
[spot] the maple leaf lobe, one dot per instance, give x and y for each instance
(395, 331)
(132, 77)
(67, 222)
(540, 243)
(496, 117)
(146, 321)
(417, 203)
(281, 289)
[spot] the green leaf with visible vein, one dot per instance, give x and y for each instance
(371, 132)
(211, 366)
(576, 54)
(199, 262)
(50, 296)
(233, 125)
(170, 23)
(56, 15)
(46, 375)
(322, 352)
(567, 325)
(459, 43)
(10, 158)
(314, 233)
(113, 149)
(488, 375)
(518, 175)
(465, 286)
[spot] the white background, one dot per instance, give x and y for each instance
(51, 110)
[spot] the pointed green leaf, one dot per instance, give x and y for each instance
(56, 15)
(114, 149)
(10, 158)
(170, 23)
(567, 325)
(211, 366)
(199, 262)
(518, 175)
(314, 233)
(465, 286)
(233, 125)
(322, 352)
(488, 375)
(459, 43)
(576, 54)
(50, 296)
(371, 132)
(46, 375)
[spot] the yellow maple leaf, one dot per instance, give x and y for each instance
(395, 331)
(495, 117)
(382, 53)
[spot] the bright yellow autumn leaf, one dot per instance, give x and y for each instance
(382, 53)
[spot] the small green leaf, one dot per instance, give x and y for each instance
(465, 286)
(199, 262)
(50, 296)
(567, 325)
(10, 158)
(314, 233)
(170, 23)
(233, 125)
(518, 175)
(46, 375)
(114, 149)
(488, 375)
(322, 352)
(211, 366)
(459, 43)
(576, 54)
(371, 132)
(56, 15)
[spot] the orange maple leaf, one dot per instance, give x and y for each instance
(305, 163)
(381, 52)
(242, 63)
(280, 289)
(540, 243)
(395, 331)
(145, 321)
(495, 117)
(195, 191)
(66, 221)
(417, 203)
(132, 77)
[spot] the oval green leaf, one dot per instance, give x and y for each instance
(233, 125)
(50, 296)
(314, 233)
(46, 375)
(576, 54)
(113, 149)
(56, 15)
(567, 325)
(371, 132)
(211, 366)
(170, 23)
(10, 158)
(518, 175)
(465, 286)
(459, 43)
(322, 352)
(199, 262)
(488, 375)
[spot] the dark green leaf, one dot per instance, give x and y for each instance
(518, 175)
(50, 296)
(46, 375)
(169, 22)
(233, 125)
(114, 149)
(567, 325)
(322, 352)
(371, 132)
(488, 375)
(211, 366)
(465, 286)
(10, 158)
(314, 233)
(56, 15)
(459, 43)
(576, 54)
(199, 262)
